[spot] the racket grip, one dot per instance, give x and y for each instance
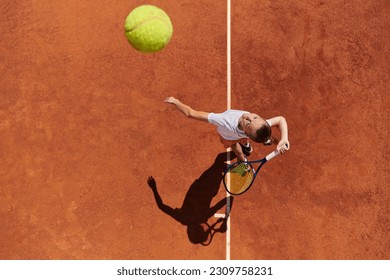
(272, 155)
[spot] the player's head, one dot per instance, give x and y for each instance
(255, 127)
(196, 233)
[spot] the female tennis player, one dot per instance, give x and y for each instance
(236, 127)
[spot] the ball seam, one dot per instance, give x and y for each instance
(146, 21)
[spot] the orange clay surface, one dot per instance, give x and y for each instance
(83, 125)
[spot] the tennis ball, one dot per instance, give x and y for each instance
(148, 28)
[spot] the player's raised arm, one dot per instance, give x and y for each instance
(281, 123)
(187, 110)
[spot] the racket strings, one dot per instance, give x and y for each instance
(240, 178)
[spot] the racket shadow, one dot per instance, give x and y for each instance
(196, 209)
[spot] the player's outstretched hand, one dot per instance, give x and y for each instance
(152, 183)
(170, 100)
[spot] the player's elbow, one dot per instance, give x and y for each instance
(191, 114)
(282, 120)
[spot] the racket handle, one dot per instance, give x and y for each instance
(272, 155)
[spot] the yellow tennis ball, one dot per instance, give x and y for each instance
(148, 28)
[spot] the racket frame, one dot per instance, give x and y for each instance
(260, 161)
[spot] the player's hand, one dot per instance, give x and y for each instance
(283, 146)
(152, 183)
(170, 100)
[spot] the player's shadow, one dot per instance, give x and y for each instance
(196, 209)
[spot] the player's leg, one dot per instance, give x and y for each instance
(246, 147)
(237, 150)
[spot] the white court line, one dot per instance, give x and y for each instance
(229, 84)
(229, 101)
(219, 215)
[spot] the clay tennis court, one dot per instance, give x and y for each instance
(83, 126)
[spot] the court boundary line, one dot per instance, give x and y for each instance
(228, 101)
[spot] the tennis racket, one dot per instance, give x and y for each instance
(239, 176)
(210, 231)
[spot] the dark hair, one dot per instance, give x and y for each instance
(262, 134)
